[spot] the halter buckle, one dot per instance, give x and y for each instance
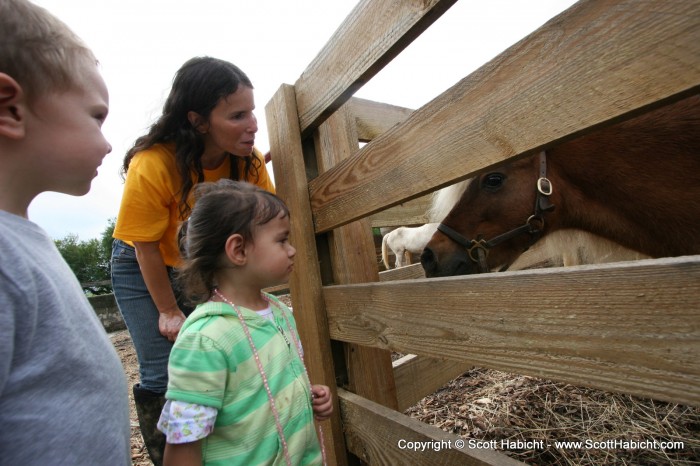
(476, 245)
(544, 186)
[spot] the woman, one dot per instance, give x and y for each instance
(206, 132)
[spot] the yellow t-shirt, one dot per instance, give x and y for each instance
(150, 210)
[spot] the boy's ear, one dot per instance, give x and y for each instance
(235, 249)
(12, 108)
(197, 122)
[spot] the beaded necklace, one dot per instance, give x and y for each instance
(271, 399)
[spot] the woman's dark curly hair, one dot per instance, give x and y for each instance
(222, 209)
(198, 86)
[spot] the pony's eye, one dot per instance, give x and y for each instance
(493, 181)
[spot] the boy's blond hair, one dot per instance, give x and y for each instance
(38, 50)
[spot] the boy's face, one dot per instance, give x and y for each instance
(65, 131)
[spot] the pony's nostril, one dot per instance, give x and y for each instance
(427, 259)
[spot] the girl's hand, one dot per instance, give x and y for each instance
(183, 454)
(322, 402)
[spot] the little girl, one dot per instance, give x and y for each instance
(238, 391)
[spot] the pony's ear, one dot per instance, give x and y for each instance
(12, 108)
(197, 122)
(235, 249)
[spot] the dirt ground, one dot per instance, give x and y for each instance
(122, 343)
(490, 405)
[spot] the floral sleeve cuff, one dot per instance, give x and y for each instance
(183, 422)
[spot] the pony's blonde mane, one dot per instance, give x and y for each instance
(445, 199)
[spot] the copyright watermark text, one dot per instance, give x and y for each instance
(433, 445)
(507, 444)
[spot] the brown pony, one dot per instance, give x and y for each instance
(636, 183)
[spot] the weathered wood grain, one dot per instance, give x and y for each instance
(369, 370)
(375, 435)
(629, 327)
(632, 328)
(409, 213)
(598, 62)
(402, 273)
(369, 38)
(374, 118)
(305, 282)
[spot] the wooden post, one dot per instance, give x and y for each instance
(370, 372)
(305, 282)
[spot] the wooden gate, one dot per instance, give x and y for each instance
(631, 328)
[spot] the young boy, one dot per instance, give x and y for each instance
(63, 393)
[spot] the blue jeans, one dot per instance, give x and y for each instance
(141, 317)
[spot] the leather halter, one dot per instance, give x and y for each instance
(478, 249)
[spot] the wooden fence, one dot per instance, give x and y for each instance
(632, 327)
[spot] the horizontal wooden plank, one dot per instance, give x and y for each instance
(374, 118)
(402, 273)
(417, 377)
(631, 327)
(559, 82)
(369, 38)
(413, 212)
(378, 436)
(278, 290)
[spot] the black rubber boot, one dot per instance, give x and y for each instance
(148, 408)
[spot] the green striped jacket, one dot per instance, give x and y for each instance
(212, 364)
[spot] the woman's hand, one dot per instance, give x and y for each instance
(169, 324)
(155, 275)
(322, 402)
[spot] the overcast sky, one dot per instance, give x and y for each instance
(142, 43)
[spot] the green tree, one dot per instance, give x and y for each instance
(89, 260)
(107, 240)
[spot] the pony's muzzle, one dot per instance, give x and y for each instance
(429, 262)
(455, 263)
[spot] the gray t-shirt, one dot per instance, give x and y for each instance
(63, 392)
